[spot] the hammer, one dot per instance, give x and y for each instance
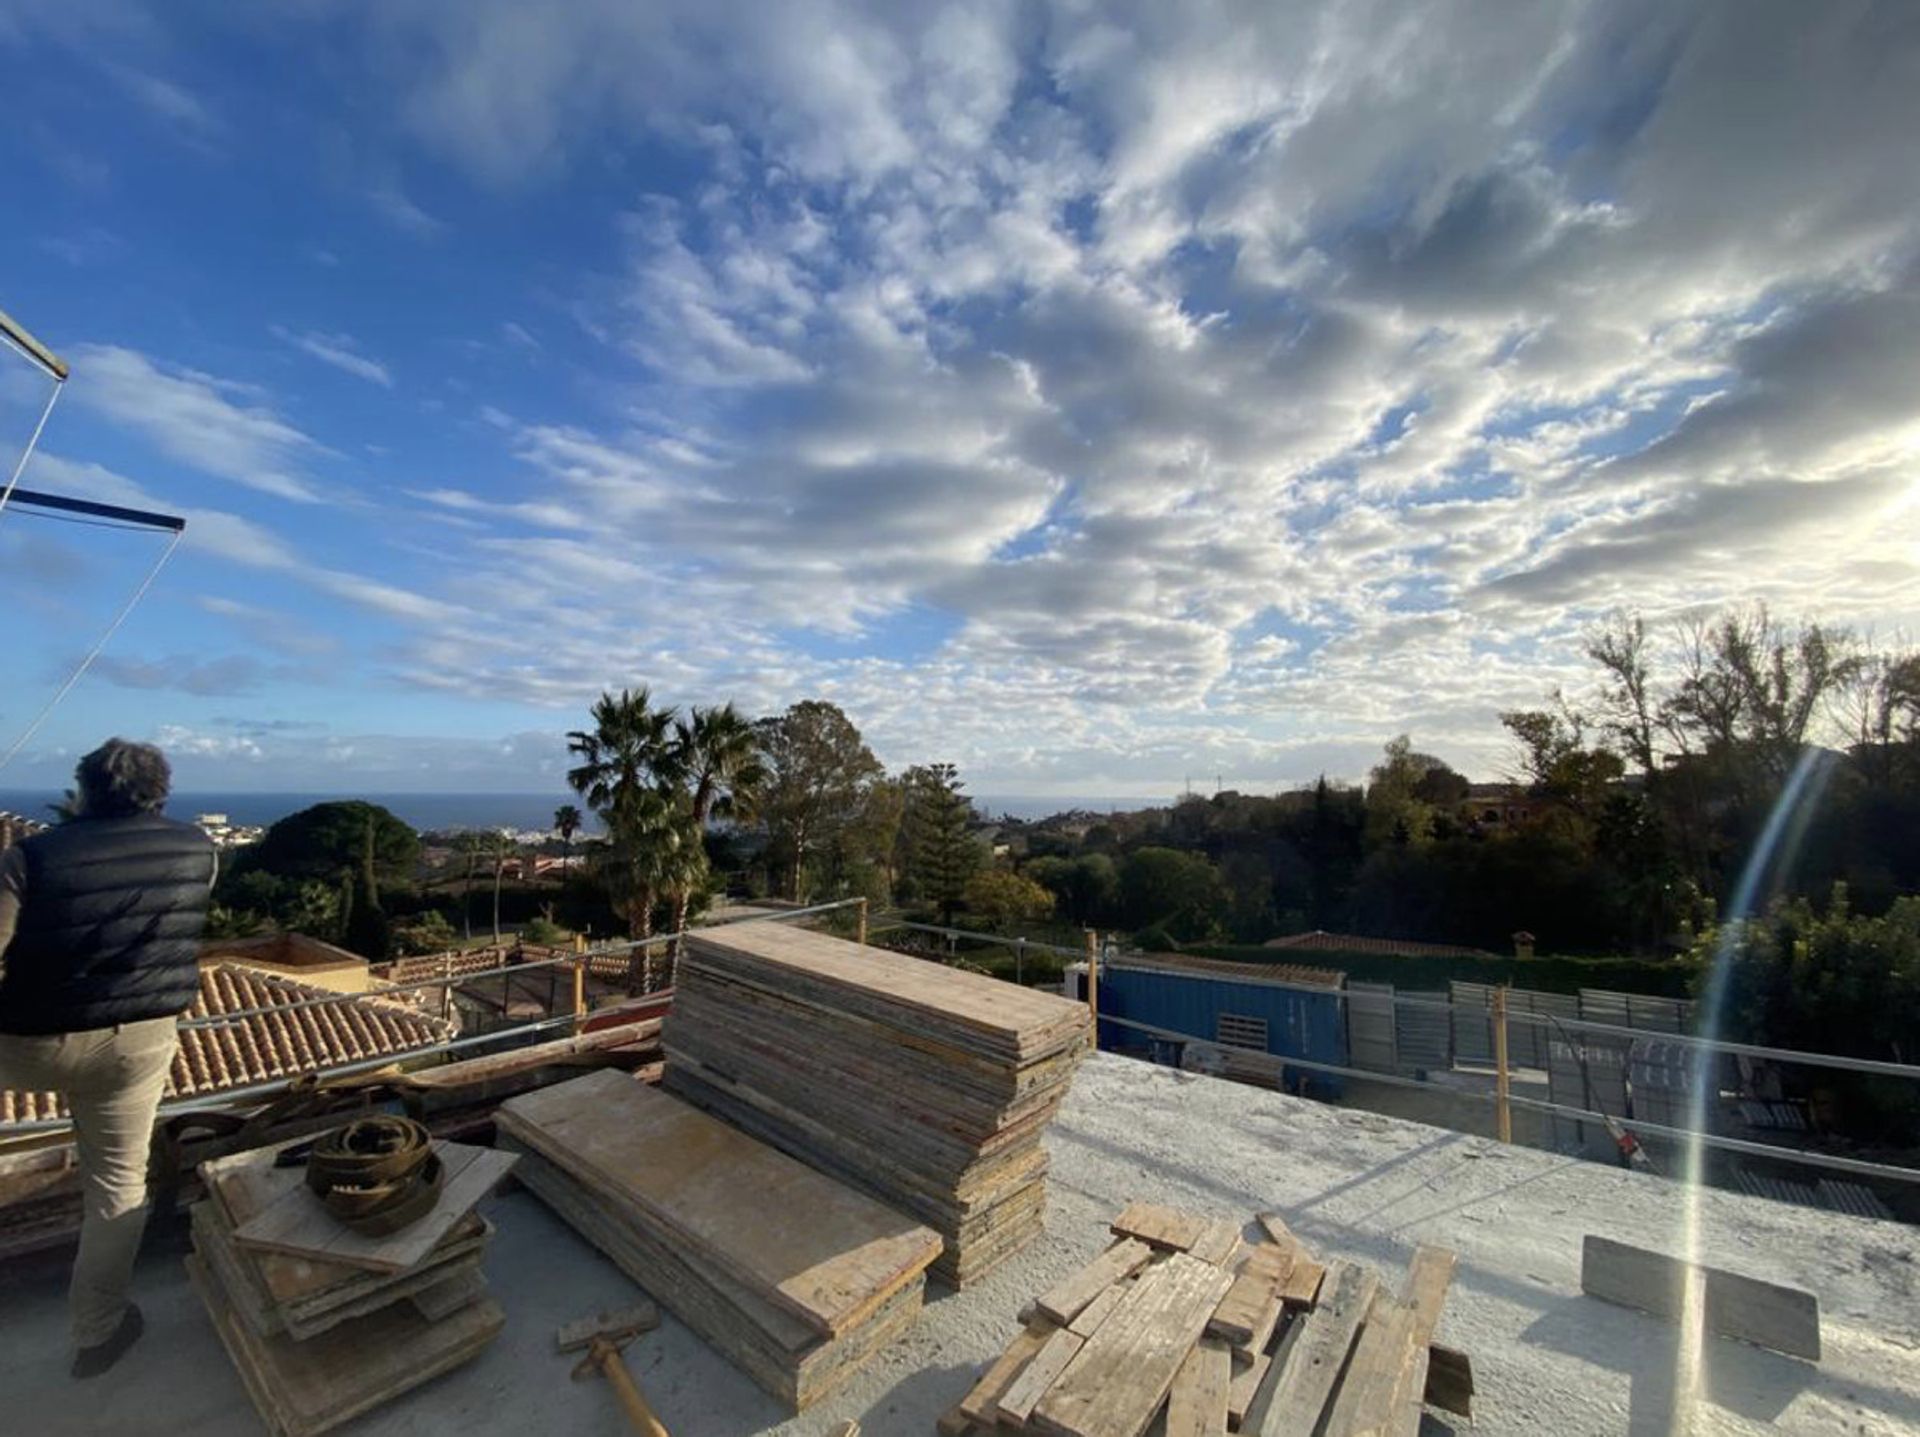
(603, 1336)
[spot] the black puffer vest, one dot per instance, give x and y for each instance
(109, 929)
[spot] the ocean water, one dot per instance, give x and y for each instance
(481, 810)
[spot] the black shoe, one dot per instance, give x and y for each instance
(92, 1361)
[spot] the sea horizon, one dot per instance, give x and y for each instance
(429, 812)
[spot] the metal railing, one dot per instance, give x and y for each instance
(226, 1097)
(1713, 1140)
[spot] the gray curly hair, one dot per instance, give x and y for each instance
(122, 777)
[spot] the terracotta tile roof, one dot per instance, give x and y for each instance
(269, 1045)
(1289, 975)
(1386, 947)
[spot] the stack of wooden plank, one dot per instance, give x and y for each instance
(322, 1322)
(927, 1086)
(795, 1278)
(1183, 1323)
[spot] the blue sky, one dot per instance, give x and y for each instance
(1088, 395)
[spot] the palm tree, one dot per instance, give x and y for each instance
(629, 774)
(718, 754)
(500, 849)
(628, 752)
(717, 758)
(472, 845)
(566, 822)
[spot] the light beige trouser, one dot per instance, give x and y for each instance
(111, 1079)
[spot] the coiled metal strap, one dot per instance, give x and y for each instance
(377, 1175)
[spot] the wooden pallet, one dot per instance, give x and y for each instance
(1173, 1329)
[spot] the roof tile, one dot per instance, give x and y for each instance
(270, 1045)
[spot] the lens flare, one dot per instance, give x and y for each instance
(1774, 852)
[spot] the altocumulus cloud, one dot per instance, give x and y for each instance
(1095, 394)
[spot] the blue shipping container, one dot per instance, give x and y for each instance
(1293, 1021)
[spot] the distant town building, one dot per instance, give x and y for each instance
(226, 834)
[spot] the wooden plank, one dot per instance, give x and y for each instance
(827, 1253)
(1218, 1243)
(1766, 1314)
(981, 1404)
(1247, 1376)
(1160, 1226)
(1063, 1301)
(1429, 1276)
(1097, 1311)
(1254, 1299)
(1303, 1283)
(1116, 1384)
(1197, 1402)
(1316, 1351)
(1017, 1402)
(297, 1224)
(1277, 1230)
(1372, 1398)
(444, 1298)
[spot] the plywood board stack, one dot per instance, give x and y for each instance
(794, 1277)
(1175, 1328)
(929, 1087)
(322, 1323)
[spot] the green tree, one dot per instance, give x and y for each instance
(427, 932)
(1833, 982)
(1086, 888)
(941, 853)
(1166, 888)
(819, 776)
(1395, 811)
(1002, 897)
(331, 838)
(364, 927)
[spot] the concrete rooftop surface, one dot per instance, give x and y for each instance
(1350, 1184)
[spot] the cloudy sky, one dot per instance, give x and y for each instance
(1093, 395)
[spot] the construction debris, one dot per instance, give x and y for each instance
(1170, 1323)
(792, 1276)
(322, 1331)
(926, 1086)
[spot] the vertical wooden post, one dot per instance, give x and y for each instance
(446, 987)
(579, 995)
(861, 937)
(1093, 983)
(1502, 1109)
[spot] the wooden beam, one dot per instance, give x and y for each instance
(1315, 1353)
(1197, 1402)
(1062, 1302)
(1782, 1319)
(1016, 1404)
(1372, 1400)
(981, 1404)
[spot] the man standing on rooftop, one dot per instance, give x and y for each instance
(100, 923)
